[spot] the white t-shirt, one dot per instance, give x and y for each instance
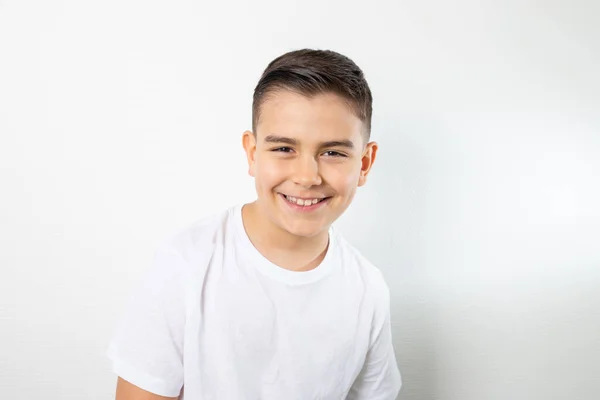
(216, 318)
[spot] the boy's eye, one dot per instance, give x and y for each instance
(332, 153)
(282, 149)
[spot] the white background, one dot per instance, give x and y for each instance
(121, 122)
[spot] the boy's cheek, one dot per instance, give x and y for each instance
(343, 180)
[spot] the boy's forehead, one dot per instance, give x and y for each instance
(322, 116)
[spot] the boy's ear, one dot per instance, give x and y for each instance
(249, 143)
(367, 160)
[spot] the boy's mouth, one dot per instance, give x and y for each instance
(304, 202)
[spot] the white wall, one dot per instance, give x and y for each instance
(120, 122)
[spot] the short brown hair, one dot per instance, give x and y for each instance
(311, 72)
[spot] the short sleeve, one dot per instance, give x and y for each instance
(147, 348)
(380, 377)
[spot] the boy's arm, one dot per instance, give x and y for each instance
(128, 391)
(380, 377)
(147, 348)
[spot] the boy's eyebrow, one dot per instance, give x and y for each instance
(333, 143)
(339, 143)
(280, 139)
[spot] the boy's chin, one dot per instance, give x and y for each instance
(305, 230)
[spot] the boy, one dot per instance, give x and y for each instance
(266, 300)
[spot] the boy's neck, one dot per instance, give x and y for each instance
(282, 248)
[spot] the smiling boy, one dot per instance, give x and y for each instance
(267, 300)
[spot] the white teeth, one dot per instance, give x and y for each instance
(302, 202)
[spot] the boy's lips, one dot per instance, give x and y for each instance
(317, 196)
(305, 204)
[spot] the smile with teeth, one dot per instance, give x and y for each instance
(303, 202)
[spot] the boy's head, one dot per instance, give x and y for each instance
(309, 149)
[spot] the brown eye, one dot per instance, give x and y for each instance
(334, 154)
(282, 150)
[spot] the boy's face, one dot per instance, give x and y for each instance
(308, 157)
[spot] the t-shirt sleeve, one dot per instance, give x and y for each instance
(380, 377)
(147, 348)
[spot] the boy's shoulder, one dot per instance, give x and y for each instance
(372, 281)
(370, 275)
(199, 238)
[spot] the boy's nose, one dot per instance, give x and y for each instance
(306, 173)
